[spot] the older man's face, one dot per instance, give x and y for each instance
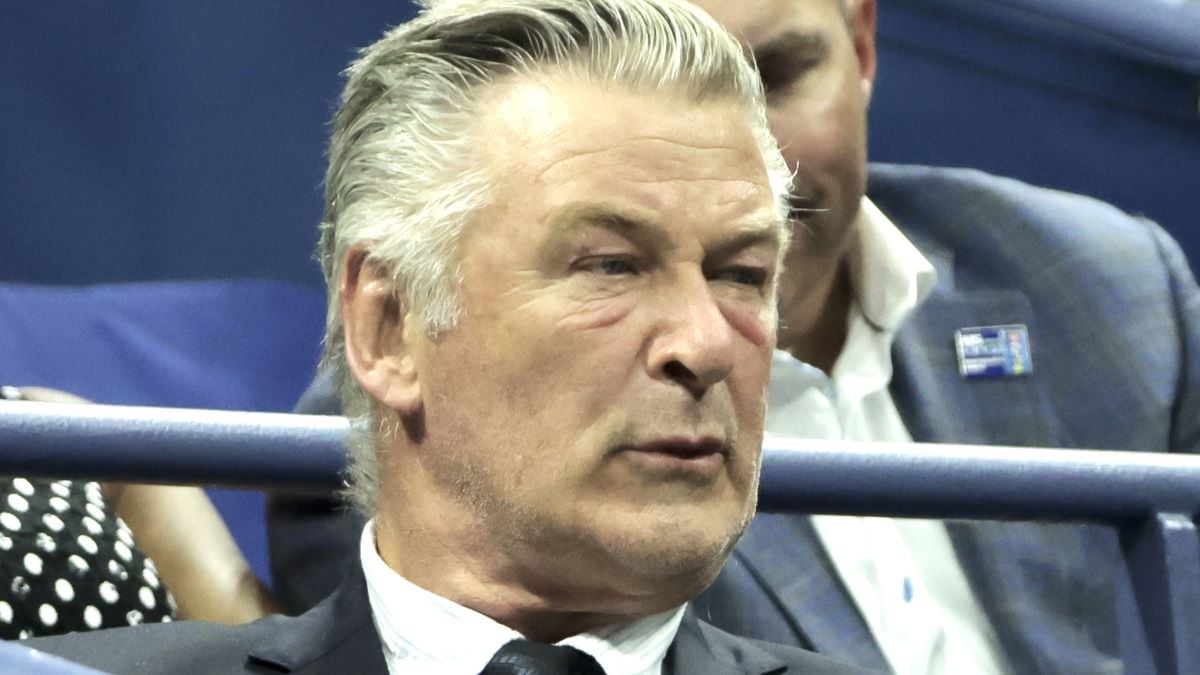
(598, 407)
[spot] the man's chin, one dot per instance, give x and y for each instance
(646, 559)
(664, 548)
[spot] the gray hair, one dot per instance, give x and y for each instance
(403, 179)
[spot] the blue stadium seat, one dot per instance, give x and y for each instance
(229, 345)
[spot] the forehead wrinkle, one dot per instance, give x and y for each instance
(660, 159)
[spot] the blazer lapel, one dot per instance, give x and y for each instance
(697, 652)
(940, 406)
(1031, 579)
(784, 553)
(336, 637)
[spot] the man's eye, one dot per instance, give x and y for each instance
(784, 63)
(608, 265)
(779, 78)
(615, 266)
(745, 276)
(776, 82)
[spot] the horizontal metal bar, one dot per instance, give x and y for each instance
(172, 445)
(928, 480)
(303, 452)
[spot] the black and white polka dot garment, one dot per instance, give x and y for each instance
(67, 563)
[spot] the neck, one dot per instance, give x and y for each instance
(451, 559)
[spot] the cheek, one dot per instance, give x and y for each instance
(752, 323)
(753, 364)
(815, 138)
(822, 128)
(537, 348)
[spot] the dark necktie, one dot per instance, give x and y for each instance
(524, 657)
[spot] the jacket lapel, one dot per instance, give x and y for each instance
(336, 637)
(1031, 579)
(1045, 588)
(697, 651)
(783, 552)
(940, 406)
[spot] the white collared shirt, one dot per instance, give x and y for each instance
(425, 633)
(902, 574)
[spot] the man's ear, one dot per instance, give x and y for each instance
(862, 32)
(379, 349)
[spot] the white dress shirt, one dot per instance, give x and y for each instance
(425, 633)
(902, 574)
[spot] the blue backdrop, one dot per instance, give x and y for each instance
(169, 140)
(183, 140)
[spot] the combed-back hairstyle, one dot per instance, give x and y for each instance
(404, 173)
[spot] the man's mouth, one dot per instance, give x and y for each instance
(681, 453)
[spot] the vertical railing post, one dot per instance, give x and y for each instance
(1163, 556)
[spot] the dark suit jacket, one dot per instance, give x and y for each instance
(1114, 319)
(338, 637)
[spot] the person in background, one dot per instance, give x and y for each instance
(67, 563)
(948, 306)
(80, 555)
(552, 235)
(926, 304)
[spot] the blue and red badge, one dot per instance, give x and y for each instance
(993, 351)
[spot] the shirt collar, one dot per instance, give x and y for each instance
(421, 629)
(889, 281)
(891, 277)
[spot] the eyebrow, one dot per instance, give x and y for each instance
(575, 217)
(647, 234)
(766, 234)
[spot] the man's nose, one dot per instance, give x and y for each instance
(693, 345)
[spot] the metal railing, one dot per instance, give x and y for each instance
(1152, 498)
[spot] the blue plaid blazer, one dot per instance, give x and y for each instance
(1113, 313)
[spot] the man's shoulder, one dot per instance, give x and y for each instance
(951, 195)
(177, 647)
(337, 634)
(887, 180)
(1009, 227)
